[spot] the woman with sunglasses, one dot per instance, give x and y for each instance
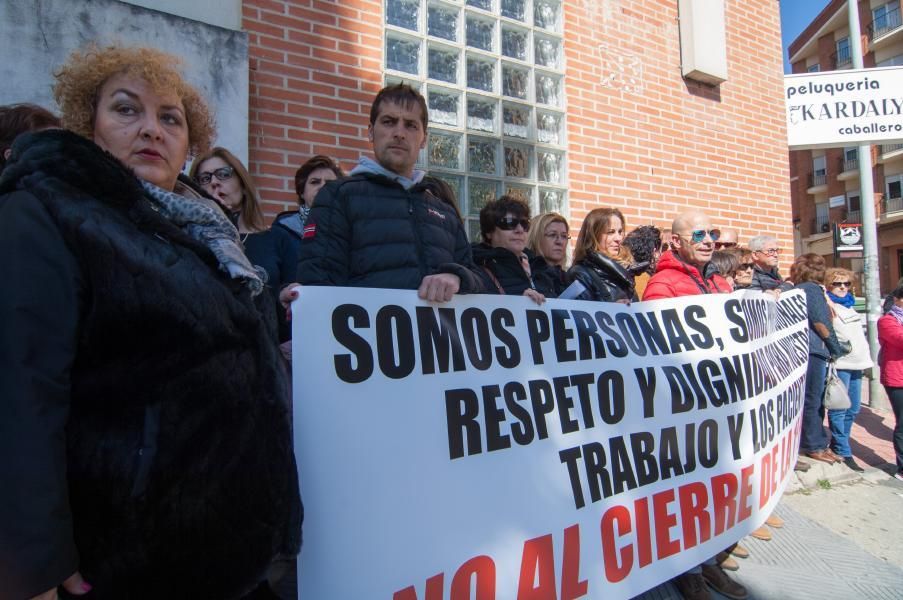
(848, 326)
(508, 267)
(602, 262)
(743, 276)
(548, 239)
(808, 274)
(225, 178)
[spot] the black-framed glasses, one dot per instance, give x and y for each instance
(221, 174)
(557, 237)
(697, 236)
(845, 284)
(723, 245)
(509, 223)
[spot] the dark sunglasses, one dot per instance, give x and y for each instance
(744, 266)
(845, 284)
(698, 235)
(221, 174)
(509, 223)
(720, 245)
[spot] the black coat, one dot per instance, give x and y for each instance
(605, 279)
(144, 419)
(506, 269)
(368, 231)
(276, 251)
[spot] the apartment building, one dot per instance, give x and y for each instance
(571, 104)
(825, 185)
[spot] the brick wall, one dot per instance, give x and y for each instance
(314, 68)
(646, 140)
(640, 136)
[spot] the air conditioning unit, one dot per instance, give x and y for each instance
(825, 227)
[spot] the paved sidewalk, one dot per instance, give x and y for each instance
(872, 437)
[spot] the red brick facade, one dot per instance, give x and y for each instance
(640, 137)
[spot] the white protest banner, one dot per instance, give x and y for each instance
(835, 109)
(490, 448)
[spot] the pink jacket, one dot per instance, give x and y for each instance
(890, 359)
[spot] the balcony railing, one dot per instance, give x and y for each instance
(842, 58)
(850, 164)
(888, 148)
(885, 24)
(820, 224)
(854, 216)
(816, 179)
(893, 205)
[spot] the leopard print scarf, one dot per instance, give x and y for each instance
(205, 222)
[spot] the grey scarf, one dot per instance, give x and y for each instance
(205, 222)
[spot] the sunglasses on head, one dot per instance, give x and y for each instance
(698, 235)
(509, 223)
(221, 174)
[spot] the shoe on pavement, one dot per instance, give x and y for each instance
(899, 475)
(837, 458)
(740, 551)
(692, 586)
(726, 561)
(802, 467)
(820, 455)
(774, 521)
(719, 581)
(851, 463)
(762, 533)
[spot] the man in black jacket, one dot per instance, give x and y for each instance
(765, 255)
(375, 228)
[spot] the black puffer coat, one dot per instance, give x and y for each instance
(144, 419)
(506, 268)
(605, 279)
(368, 231)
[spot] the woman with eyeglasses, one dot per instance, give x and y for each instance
(848, 326)
(548, 239)
(225, 178)
(507, 265)
(808, 274)
(145, 443)
(602, 263)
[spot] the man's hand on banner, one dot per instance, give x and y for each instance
(534, 296)
(439, 288)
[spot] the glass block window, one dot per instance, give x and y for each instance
(492, 72)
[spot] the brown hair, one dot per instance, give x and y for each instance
(538, 229)
(595, 223)
(744, 255)
(403, 95)
(78, 83)
(808, 267)
(320, 161)
(726, 262)
(250, 207)
(497, 209)
(833, 272)
(16, 119)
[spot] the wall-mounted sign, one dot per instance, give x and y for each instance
(844, 108)
(848, 240)
(835, 201)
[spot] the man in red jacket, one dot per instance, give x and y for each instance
(685, 269)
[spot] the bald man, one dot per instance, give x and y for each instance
(727, 240)
(685, 269)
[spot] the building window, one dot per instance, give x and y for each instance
(885, 18)
(850, 159)
(492, 72)
(853, 208)
(843, 56)
(822, 221)
(814, 68)
(893, 193)
(894, 61)
(819, 171)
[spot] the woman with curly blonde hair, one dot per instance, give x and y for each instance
(150, 454)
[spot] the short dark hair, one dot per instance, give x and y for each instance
(320, 161)
(643, 242)
(808, 267)
(403, 95)
(898, 292)
(497, 209)
(16, 119)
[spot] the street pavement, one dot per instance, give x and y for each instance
(843, 531)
